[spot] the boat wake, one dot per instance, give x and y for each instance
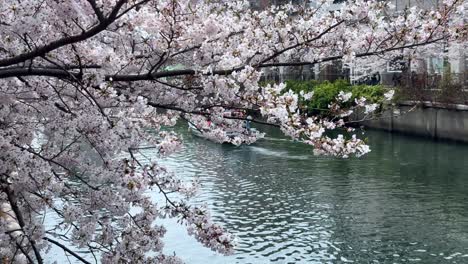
(278, 139)
(281, 154)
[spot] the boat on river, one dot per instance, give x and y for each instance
(245, 135)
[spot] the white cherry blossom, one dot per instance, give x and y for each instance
(87, 86)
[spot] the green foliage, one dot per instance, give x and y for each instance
(372, 93)
(297, 86)
(326, 92)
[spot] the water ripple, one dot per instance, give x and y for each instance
(396, 205)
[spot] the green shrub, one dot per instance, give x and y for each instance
(297, 86)
(326, 93)
(372, 93)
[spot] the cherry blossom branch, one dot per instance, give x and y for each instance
(276, 54)
(359, 55)
(19, 217)
(33, 71)
(67, 67)
(96, 9)
(53, 72)
(374, 117)
(41, 51)
(174, 108)
(30, 150)
(60, 245)
(174, 73)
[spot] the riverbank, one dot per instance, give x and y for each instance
(427, 119)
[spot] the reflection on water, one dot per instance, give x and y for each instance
(404, 202)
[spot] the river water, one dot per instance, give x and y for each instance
(405, 202)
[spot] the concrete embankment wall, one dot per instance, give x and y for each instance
(425, 119)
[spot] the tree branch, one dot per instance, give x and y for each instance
(39, 71)
(53, 72)
(303, 43)
(96, 9)
(19, 217)
(43, 50)
(66, 250)
(143, 77)
(174, 108)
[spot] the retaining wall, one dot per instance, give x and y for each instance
(425, 119)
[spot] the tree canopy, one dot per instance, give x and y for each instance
(86, 84)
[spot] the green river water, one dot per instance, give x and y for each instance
(405, 202)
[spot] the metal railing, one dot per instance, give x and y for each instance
(449, 88)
